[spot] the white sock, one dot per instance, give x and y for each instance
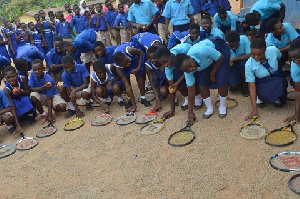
(198, 100)
(143, 97)
(87, 101)
(146, 84)
(258, 101)
(71, 106)
(186, 102)
(108, 99)
(9, 127)
(222, 108)
(209, 106)
(120, 99)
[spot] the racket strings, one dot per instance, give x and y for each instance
(295, 183)
(152, 128)
(253, 130)
(145, 118)
(74, 125)
(286, 161)
(181, 137)
(126, 119)
(281, 137)
(27, 144)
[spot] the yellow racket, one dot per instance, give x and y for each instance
(253, 130)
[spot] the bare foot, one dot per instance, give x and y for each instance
(43, 119)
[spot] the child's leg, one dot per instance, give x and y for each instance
(124, 35)
(141, 84)
(161, 31)
(205, 93)
(8, 119)
(164, 91)
(101, 91)
(65, 96)
(223, 92)
(117, 89)
(59, 105)
(85, 94)
(38, 100)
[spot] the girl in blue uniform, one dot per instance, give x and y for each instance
(47, 31)
(35, 38)
(265, 82)
(105, 84)
(13, 45)
(3, 50)
(211, 59)
(144, 40)
(22, 35)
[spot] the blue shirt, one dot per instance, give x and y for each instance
(286, 38)
(196, 4)
(75, 79)
(142, 13)
(29, 53)
(4, 101)
(210, 7)
(108, 58)
(215, 32)
(84, 42)
(223, 3)
(4, 61)
(78, 22)
(243, 48)
(53, 58)
(230, 21)
(86, 24)
(121, 19)
(62, 29)
(102, 25)
(178, 12)
(160, 10)
(110, 17)
(295, 72)
(266, 8)
(204, 53)
(256, 69)
(36, 83)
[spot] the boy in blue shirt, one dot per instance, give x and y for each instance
(44, 93)
(240, 53)
(75, 85)
(110, 17)
(103, 53)
(209, 30)
(88, 22)
(77, 21)
(100, 26)
(226, 20)
(63, 28)
(121, 23)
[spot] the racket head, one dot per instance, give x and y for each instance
(230, 103)
(181, 138)
(281, 137)
(286, 161)
(26, 143)
(101, 120)
(81, 102)
(73, 124)
(291, 96)
(153, 127)
(46, 131)
(144, 119)
(7, 150)
(294, 183)
(126, 119)
(253, 130)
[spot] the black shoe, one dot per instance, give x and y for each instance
(89, 106)
(184, 107)
(260, 105)
(245, 91)
(108, 103)
(197, 107)
(12, 129)
(176, 103)
(129, 104)
(32, 120)
(278, 105)
(145, 102)
(70, 113)
(121, 103)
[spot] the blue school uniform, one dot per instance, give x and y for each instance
(36, 26)
(86, 24)
(48, 35)
(160, 10)
(37, 41)
(270, 85)
(121, 20)
(266, 8)
(134, 60)
(102, 23)
(62, 29)
(223, 3)
(84, 42)
(36, 83)
(144, 40)
(3, 50)
(22, 39)
(205, 53)
(286, 38)
(78, 23)
(29, 53)
(214, 32)
(230, 23)
(22, 102)
(295, 73)
(4, 101)
(110, 17)
(175, 38)
(158, 76)
(108, 58)
(196, 4)
(4, 61)
(75, 78)
(54, 58)
(210, 7)
(14, 44)
(142, 13)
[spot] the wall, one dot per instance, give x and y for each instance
(26, 18)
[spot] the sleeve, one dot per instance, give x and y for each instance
(84, 72)
(48, 59)
(250, 76)
(117, 19)
(72, 24)
(169, 73)
(190, 9)
(189, 78)
(292, 33)
(153, 8)
(216, 23)
(212, 53)
(269, 40)
(295, 72)
(130, 16)
(31, 82)
(166, 13)
(5, 100)
(247, 45)
(65, 79)
(233, 20)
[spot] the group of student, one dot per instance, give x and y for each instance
(217, 55)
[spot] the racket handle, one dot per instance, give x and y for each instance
(22, 135)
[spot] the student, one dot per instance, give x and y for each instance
(175, 38)
(161, 26)
(82, 6)
(38, 24)
(123, 2)
(194, 35)
(22, 67)
(128, 60)
(53, 60)
(47, 31)
(100, 26)
(261, 12)
(226, 20)
(211, 59)
(142, 15)
(144, 40)
(52, 20)
(22, 35)
(105, 9)
(280, 36)
(122, 24)
(3, 50)
(63, 28)
(44, 93)
(77, 21)
(18, 30)
(17, 90)
(266, 84)
(69, 12)
(92, 10)
(209, 30)
(75, 85)
(35, 38)
(29, 53)
(13, 45)
(88, 23)
(103, 53)
(240, 53)
(294, 52)
(105, 84)
(110, 17)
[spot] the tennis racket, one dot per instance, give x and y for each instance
(101, 120)
(81, 102)
(149, 96)
(148, 117)
(283, 136)
(230, 103)
(74, 124)
(153, 127)
(26, 143)
(294, 183)
(46, 131)
(6, 150)
(253, 130)
(286, 161)
(126, 119)
(291, 96)
(182, 137)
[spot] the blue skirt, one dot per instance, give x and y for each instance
(235, 71)
(4, 52)
(22, 105)
(49, 41)
(270, 89)
(177, 74)
(203, 77)
(134, 65)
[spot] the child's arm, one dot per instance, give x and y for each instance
(42, 35)
(109, 30)
(51, 25)
(26, 90)
(18, 37)
(104, 106)
(252, 90)
(281, 12)
(171, 113)
(50, 119)
(296, 116)
(191, 102)
(217, 64)
(135, 51)
(39, 89)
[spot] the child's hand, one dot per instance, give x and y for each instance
(295, 117)
(79, 114)
(135, 71)
(47, 85)
(191, 118)
(252, 114)
(168, 114)
(18, 92)
(18, 129)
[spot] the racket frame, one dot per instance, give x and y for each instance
(280, 129)
(26, 138)
(290, 183)
(161, 120)
(253, 122)
(8, 145)
(281, 169)
(228, 98)
(75, 120)
(49, 125)
(102, 115)
(150, 113)
(130, 113)
(186, 128)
